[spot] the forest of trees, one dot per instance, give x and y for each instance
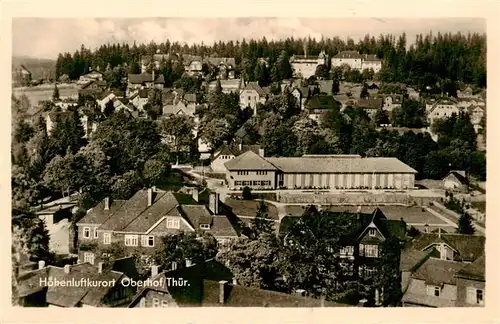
(430, 59)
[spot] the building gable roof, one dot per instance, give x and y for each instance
(68, 296)
(254, 86)
(321, 102)
(438, 272)
(98, 215)
(249, 161)
(332, 164)
(468, 247)
(474, 270)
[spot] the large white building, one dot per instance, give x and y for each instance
(357, 61)
(318, 171)
(305, 65)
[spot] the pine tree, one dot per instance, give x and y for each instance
(55, 94)
(335, 86)
(261, 223)
(465, 225)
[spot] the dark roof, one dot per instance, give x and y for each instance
(459, 175)
(255, 87)
(242, 296)
(127, 266)
(438, 272)
(145, 77)
(372, 103)
(361, 221)
(469, 247)
(348, 54)
(163, 204)
(204, 290)
(68, 296)
(97, 214)
(128, 211)
(411, 258)
(249, 161)
(321, 102)
(474, 270)
(216, 61)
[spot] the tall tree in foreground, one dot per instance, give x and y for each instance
(55, 94)
(388, 279)
(261, 223)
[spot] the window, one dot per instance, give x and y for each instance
(205, 226)
(361, 250)
(173, 223)
(261, 172)
(131, 240)
(107, 238)
(237, 183)
(434, 291)
(95, 232)
(86, 232)
(88, 257)
(156, 302)
(164, 303)
(371, 232)
(371, 251)
(369, 272)
(242, 172)
(249, 98)
(347, 250)
(147, 240)
(475, 296)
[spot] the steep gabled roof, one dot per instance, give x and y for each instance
(320, 102)
(68, 296)
(254, 86)
(438, 272)
(468, 247)
(249, 161)
(474, 270)
(97, 214)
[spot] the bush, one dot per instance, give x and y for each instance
(247, 193)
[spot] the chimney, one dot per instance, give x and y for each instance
(67, 268)
(213, 203)
(222, 291)
(106, 203)
(195, 194)
(100, 266)
(153, 77)
(235, 281)
(154, 188)
(240, 146)
(439, 232)
(174, 265)
(41, 264)
(154, 271)
(189, 263)
(261, 152)
(150, 196)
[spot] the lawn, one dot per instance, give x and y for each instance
(250, 207)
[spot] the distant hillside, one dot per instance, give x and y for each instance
(40, 68)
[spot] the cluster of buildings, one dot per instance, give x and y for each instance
(305, 66)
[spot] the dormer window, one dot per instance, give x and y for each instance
(205, 226)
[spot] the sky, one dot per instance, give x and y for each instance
(46, 37)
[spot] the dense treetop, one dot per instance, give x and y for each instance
(456, 57)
